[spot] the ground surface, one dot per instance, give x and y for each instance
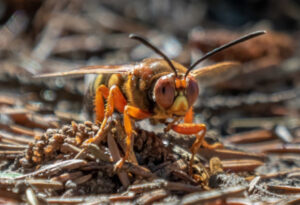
(254, 112)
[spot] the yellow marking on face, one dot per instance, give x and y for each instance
(180, 105)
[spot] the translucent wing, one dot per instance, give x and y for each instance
(94, 69)
(216, 73)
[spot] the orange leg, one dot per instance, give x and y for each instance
(101, 92)
(115, 99)
(192, 128)
(134, 112)
(119, 101)
(188, 118)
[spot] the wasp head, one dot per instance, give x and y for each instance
(175, 94)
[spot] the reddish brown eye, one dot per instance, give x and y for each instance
(164, 91)
(192, 91)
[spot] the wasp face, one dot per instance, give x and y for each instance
(175, 95)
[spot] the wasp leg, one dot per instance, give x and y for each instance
(169, 126)
(101, 92)
(130, 112)
(115, 99)
(189, 128)
(188, 118)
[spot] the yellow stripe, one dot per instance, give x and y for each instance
(114, 80)
(97, 82)
(128, 91)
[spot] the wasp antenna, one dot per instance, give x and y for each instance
(148, 44)
(227, 45)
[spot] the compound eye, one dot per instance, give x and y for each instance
(164, 91)
(192, 91)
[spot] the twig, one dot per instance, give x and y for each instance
(54, 168)
(12, 146)
(152, 196)
(241, 165)
(206, 196)
(31, 197)
(159, 183)
(114, 151)
(5, 137)
(67, 176)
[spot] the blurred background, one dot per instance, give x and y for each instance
(52, 36)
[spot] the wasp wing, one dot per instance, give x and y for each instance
(216, 73)
(94, 69)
